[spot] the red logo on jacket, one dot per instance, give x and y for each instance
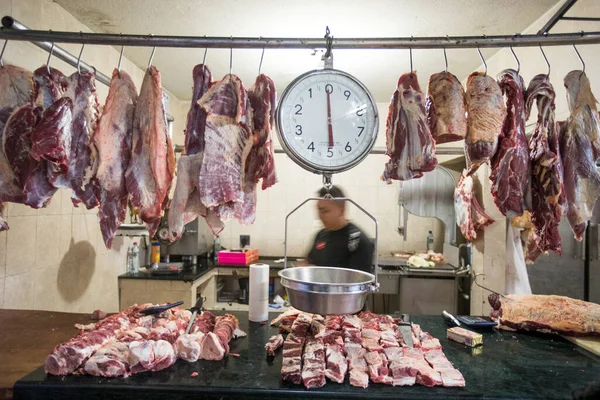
(320, 246)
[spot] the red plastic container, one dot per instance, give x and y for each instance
(241, 257)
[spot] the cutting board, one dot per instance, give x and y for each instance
(589, 343)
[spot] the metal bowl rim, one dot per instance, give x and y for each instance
(330, 284)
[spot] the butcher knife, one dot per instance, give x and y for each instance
(197, 307)
(405, 328)
(159, 309)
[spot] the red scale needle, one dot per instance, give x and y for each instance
(330, 128)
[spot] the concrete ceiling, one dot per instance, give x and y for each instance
(377, 69)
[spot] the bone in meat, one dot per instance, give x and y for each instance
(446, 112)
(110, 360)
(409, 143)
(486, 113)
(470, 217)
(112, 140)
(275, 342)
(510, 165)
(150, 172)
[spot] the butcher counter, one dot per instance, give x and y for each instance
(508, 365)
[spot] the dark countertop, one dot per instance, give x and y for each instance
(204, 266)
(508, 366)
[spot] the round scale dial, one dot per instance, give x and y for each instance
(327, 121)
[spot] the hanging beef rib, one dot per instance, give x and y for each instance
(547, 192)
(446, 112)
(150, 172)
(510, 165)
(410, 146)
(486, 113)
(113, 142)
(580, 149)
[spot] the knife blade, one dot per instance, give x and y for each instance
(405, 328)
(159, 309)
(197, 307)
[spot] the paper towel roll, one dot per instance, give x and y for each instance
(258, 296)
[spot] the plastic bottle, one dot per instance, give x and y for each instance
(430, 241)
(135, 256)
(130, 269)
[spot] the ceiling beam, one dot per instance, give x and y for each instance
(557, 16)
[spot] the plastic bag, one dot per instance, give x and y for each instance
(517, 280)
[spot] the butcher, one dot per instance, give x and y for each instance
(340, 243)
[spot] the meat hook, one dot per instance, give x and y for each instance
(79, 59)
(151, 57)
(261, 60)
(546, 59)
(446, 60)
(580, 59)
(475, 275)
(328, 43)
(230, 58)
(119, 63)
(2, 53)
(483, 61)
(410, 56)
(516, 59)
(49, 56)
(204, 61)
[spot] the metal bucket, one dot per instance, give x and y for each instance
(327, 290)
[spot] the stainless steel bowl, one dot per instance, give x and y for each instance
(327, 290)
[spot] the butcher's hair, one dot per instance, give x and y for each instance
(335, 192)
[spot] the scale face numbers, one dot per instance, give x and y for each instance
(327, 121)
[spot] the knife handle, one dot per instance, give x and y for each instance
(405, 318)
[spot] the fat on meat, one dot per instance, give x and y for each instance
(83, 162)
(409, 143)
(486, 112)
(112, 140)
(110, 360)
(152, 167)
(16, 89)
(511, 169)
(186, 204)
(49, 85)
(580, 148)
(227, 143)
(260, 163)
(547, 190)
(446, 109)
(150, 355)
(470, 216)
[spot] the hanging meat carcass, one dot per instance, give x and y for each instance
(470, 216)
(150, 172)
(83, 162)
(486, 112)
(16, 89)
(227, 143)
(187, 204)
(112, 139)
(511, 169)
(446, 110)
(580, 148)
(547, 192)
(260, 163)
(410, 146)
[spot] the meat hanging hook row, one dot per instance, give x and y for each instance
(516, 59)
(49, 56)
(2, 53)
(483, 61)
(545, 59)
(261, 60)
(580, 59)
(78, 65)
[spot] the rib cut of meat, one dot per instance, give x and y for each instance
(470, 216)
(3, 223)
(410, 146)
(112, 140)
(260, 163)
(446, 110)
(150, 172)
(275, 342)
(580, 149)
(187, 204)
(16, 86)
(16, 141)
(49, 85)
(51, 140)
(510, 165)
(547, 191)
(313, 360)
(227, 141)
(548, 314)
(110, 360)
(486, 113)
(83, 163)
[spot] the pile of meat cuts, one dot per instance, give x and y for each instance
(366, 347)
(55, 136)
(129, 343)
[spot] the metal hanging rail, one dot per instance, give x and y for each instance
(10, 32)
